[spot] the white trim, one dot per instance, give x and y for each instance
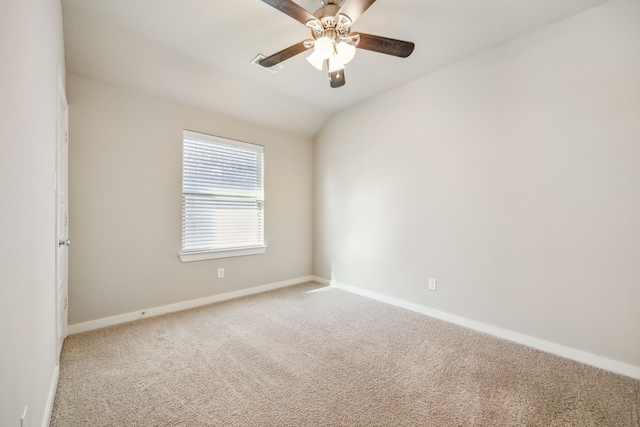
(171, 308)
(48, 409)
(322, 280)
(529, 341)
(225, 253)
(198, 136)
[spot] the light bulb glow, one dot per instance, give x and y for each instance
(346, 51)
(316, 60)
(335, 64)
(324, 47)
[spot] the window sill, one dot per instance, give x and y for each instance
(224, 253)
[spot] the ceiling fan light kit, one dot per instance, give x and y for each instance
(333, 43)
(346, 51)
(324, 47)
(316, 60)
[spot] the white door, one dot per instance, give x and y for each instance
(62, 219)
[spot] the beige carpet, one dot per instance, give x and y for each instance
(315, 356)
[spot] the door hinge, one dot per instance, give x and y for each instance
(66, 303)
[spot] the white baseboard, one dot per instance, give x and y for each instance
(546, 346)
(48, 410)
(156, 311)
(322, 281)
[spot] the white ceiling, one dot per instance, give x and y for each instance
(198, 52)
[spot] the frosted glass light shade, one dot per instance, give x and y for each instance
(335, 64)
(346, 52)
(324, 47)
(316, 60)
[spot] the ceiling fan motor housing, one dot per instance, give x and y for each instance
(329, 9)
(332, 24)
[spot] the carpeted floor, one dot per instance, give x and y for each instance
(310, 355)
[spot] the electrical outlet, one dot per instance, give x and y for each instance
(24, 422)
(220, 273)
(433, 284)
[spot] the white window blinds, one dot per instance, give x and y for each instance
(222, 194)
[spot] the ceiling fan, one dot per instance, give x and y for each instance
(333, 43)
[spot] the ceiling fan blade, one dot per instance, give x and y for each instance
(386, 45)
(336, 78)
(292, 9)
(283, 55)
(354, 8)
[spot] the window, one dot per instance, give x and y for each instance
(222, 197)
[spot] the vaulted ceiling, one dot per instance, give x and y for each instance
(199, 52)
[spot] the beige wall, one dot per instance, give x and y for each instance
(512, 177)
(31, 51)
(125, 204)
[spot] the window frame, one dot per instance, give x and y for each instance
(200, 255)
